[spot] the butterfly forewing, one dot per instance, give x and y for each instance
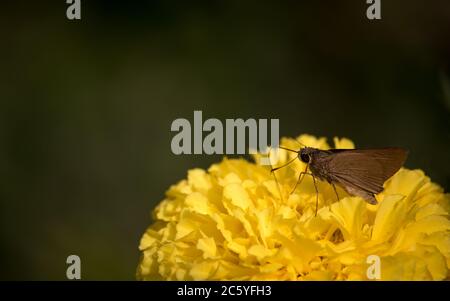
(363, 172)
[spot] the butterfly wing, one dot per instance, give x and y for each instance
(363, 172)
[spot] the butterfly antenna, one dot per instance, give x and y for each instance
(301, 144)
(288, 149)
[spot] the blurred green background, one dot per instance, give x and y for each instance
(86, 106)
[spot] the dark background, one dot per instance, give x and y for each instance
(86, 106)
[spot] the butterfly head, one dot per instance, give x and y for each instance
(305, 154)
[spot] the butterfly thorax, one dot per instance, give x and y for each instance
(318, 162)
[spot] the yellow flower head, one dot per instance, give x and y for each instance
(230, 223)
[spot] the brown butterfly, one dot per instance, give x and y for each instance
(360, 172)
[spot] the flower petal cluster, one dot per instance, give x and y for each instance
(233, 222)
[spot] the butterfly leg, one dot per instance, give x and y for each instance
(300, 178)
(317, 193)
(274, 176)
(335, 191)
(286, 164)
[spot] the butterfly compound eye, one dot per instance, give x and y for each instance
(304, 158)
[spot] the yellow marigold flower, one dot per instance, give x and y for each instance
(229, 223)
